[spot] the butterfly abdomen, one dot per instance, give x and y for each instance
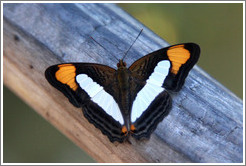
(124, 98)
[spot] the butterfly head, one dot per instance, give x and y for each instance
(121, 64)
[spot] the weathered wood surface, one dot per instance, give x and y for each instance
(204, 125)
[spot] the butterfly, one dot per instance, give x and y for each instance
(127, 101)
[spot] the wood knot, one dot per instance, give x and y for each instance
(16, 38)
(47, 114)
(31, 66)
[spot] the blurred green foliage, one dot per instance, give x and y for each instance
(217, 28)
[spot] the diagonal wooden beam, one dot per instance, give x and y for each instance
(206, 120)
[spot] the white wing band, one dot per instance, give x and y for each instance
(100, 97)
(151, 90)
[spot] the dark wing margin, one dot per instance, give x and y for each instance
(182, 58)
(66, 83)
(63, 78)
(155, 113)
(104, 122)
(180, 68)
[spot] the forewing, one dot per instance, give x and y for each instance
(182, 58)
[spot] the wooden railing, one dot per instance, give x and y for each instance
(205, 123)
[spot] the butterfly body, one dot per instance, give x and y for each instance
(127, 101)
(124, 97)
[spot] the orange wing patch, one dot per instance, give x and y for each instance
(132, 127)
(178, 55)
(124, 130)
(66, 75)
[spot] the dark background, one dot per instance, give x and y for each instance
(217, 28)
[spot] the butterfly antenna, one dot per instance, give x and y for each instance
(132, 44)
(104, 48)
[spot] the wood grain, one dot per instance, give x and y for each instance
(206, 120)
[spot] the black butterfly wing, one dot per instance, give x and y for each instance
(64, 77)
(155, 113)
(180, 59)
